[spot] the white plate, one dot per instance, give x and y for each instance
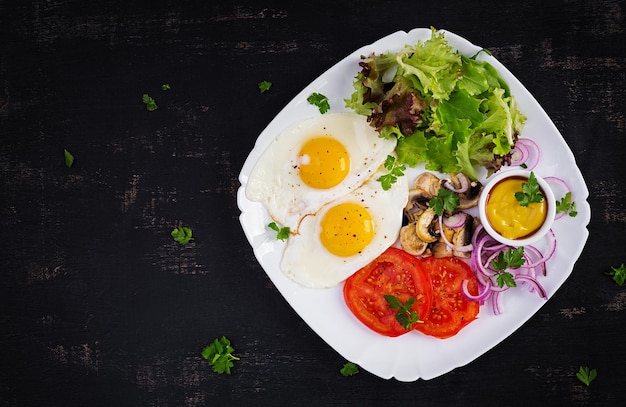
(413, 355)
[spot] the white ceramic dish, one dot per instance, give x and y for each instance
(413, 356)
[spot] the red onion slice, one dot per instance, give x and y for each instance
(455, 221)
(533, 152)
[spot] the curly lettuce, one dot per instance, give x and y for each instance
(447, 111)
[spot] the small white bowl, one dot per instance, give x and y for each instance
(548, 196)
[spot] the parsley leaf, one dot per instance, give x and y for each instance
(69, 158)
(405, 316)
(618, 274)
(349, 369)
(585, 375)
(511, 258)
(282, 233)
(530, 191)
(395, 171)
(220, 355)
(182, 234)
(320, 101)
(149, 102)
(166, 86)
(264, 86)
(566, 205)
(445, 200)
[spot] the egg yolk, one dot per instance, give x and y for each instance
(324, 162)
(507, 216)
(346, 229)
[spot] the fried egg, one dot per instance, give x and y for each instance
(346, 234)
(314, 162)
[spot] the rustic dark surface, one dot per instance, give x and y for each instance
(100, 307)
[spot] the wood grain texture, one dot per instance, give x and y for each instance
(100, 307)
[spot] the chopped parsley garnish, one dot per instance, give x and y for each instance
(618, 274)
(319, 100)
(586, 375)
(149, 102)
(69, 158)
(166, 86)
(282, 233)
(511, 258)
(264, 86)
(349, 369)
(182, 234)
(530, 191)
(405, 316)
(395, 171)
(445, 200)
(566, 205)
(220, 356)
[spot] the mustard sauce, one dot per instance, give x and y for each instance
(507, 216)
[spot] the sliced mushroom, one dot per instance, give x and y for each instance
(426, 227)
(411, 243)
(428, 182)
(463, 237)
(441, 249)
(416, 204)
(470, 198)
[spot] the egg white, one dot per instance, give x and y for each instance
(275, 181)
(306, 261)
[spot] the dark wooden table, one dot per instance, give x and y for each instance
(100, 307)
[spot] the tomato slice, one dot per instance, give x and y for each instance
(394, 272)
(451, 310)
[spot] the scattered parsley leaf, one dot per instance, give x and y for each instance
(511, 258)
(395, 171)
(618, 274)
(566, 205)
(320, 101)
(166, 86)
(69, 158)
(445, 200)
(349, 369)
(182, 234)
(149, 102)
(264, 86)
(405, 316)
(282, 233)
(523, 165)
(586, 375)
(220, 355)
(530, 191)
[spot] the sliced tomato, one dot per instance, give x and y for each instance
(394, 272)
(451, 310)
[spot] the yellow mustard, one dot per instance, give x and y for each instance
(507, 216)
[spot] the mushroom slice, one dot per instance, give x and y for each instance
(416, 204)
(470, 198)
(426, 226)
(428, 182)
(411, 243)
(441, 249)
(463, 237)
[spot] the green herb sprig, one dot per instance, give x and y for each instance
(349, 369)
(150, 103)
(319, 100)
(530, 191)
(220, 356)
(182, 234)
(405, 315)
(264, 86)
(445, 200)
(586, 375)
(282, 233)
(395, 171)
(69, 158)
(566, 205)
(511, 258)
(618, 274)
